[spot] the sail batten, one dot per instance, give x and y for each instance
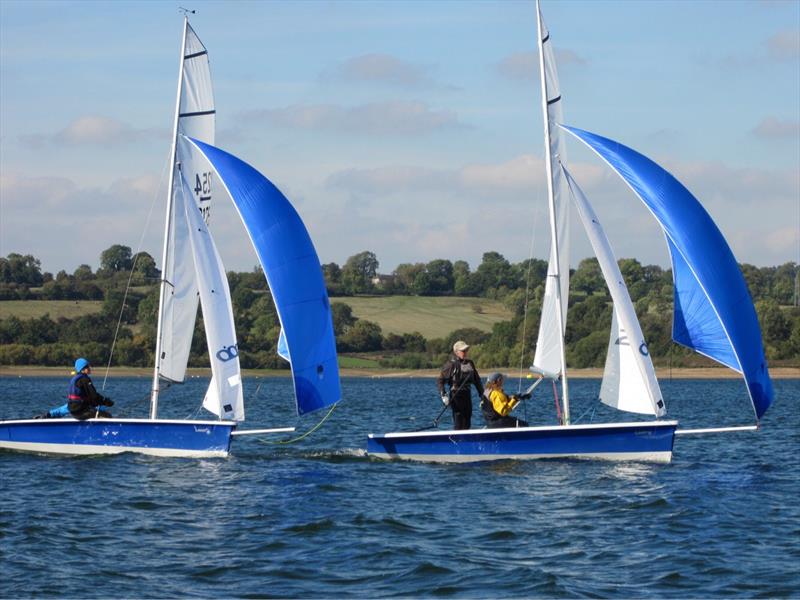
(714, 312)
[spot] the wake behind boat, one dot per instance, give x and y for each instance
(714, 315)
(193, 271)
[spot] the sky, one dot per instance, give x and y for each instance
(407, 128)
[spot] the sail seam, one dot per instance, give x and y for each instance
(195, 55)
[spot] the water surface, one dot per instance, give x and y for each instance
(317, 518)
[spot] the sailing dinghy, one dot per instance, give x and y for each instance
(713, 315)
(193, 270)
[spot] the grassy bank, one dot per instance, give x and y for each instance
(33, 309)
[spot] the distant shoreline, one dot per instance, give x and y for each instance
(663, 373)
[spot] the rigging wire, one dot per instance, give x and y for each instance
(525, 307)
(130, 276)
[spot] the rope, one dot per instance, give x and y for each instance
(307, 433)
(130, 276)
(129, 407)
(592, 408)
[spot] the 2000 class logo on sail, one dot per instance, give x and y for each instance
(228, 353)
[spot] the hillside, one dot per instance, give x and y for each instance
(33, 309)
(432, 316)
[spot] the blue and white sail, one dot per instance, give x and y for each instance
(224, 394)
(714, 313)
(294, 274)
(629, 379)
(195, 117)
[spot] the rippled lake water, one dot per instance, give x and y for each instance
(318, 518)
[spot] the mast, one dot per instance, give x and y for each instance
(552, 209)
(167, 228)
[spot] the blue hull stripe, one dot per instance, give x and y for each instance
(625, 440)
(57, 435)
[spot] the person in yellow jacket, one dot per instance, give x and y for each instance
(496, 405)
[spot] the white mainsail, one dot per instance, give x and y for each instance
(195, 118)
(224, 395)
(629, 380)
(550, 357)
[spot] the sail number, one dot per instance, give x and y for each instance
(202, 189)
(202, 185)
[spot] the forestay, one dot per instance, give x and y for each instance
(714, 314)
(294, 275)
(224, 395)
(548, 356)
(629, 380)
(195, 118)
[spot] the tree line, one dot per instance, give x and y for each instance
(519, 286)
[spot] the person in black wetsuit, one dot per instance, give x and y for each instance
(83, 400)
(459, 373)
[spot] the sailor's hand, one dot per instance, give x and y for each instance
(524, 396)
(445, 399)
(108, 402)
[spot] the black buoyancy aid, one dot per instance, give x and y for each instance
(76, 393)
(487, 408)
(461, 376)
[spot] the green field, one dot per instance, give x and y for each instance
(357, 362)
(32, 309)
(433, 317)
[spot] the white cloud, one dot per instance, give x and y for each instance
(377, 118)
(784, 45)
(383, 69)
(521, 174)
(776, 129)
(93, 130)
(417, 213)
(525, 65)
(785, 241)
(65, 225)
(391, 180)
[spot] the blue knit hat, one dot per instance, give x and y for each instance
(494, 378)
(81, 364)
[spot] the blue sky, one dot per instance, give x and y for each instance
(411, 129)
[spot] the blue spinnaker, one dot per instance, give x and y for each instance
(714, 314)
(294, 274)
